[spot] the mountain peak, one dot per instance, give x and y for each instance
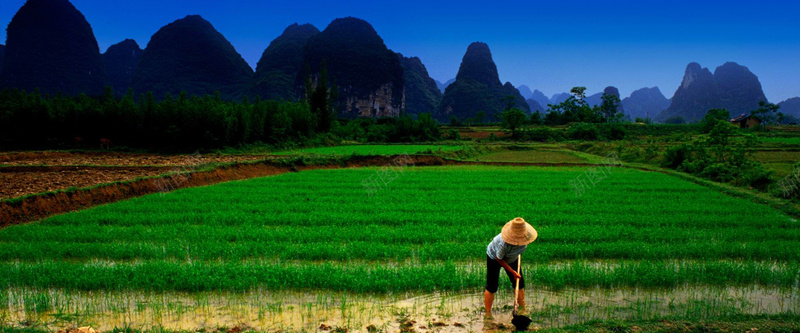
(695, 73)
(300, 29)
(645, 103)
(121, 60)
(190, 55)
(369, 75)
(525, 91)
(125, 44)
(478, 65)
(477, 87)
(193, 20)
(731, 86)
(51, 46)
(733, 69)
(355, 27)
(281, 61)
(611, 91)
(422, 93)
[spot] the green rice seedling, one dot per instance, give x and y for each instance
(321, 230)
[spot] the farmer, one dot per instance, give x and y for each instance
(503, 252)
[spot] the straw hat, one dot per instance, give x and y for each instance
(518, 232)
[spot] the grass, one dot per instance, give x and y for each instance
(425, 230)
(372, 150)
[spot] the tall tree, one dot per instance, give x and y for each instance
(768, 113)
(609, 108)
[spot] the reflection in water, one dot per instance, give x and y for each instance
(441, 312)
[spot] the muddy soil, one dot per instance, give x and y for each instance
(595, 309)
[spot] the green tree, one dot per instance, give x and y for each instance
(574, 109)
(322, 100)
(536, 118)
(609, 108)
(768, 113)
(510, 101)
(713, 117)
(513, 119)
(480, 117)
(675, 120)
(724, 154)
(578, 92)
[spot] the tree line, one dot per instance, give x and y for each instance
(31, 120)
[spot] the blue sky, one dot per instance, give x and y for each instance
(547, 45)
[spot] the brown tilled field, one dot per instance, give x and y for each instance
(25, 173)
(21, 181)
(116, 159)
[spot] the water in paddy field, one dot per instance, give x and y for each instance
(437, 312)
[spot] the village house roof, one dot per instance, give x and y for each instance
(742, 117)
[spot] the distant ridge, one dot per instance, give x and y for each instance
(790, 107)
(525, 91)
(443, 86)
(540, 98)
(559, 98)
(645, 103)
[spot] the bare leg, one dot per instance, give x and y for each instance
(521, 298)
(488, 299)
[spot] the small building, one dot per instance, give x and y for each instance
(746, 121)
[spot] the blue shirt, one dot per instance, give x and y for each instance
(499, 249)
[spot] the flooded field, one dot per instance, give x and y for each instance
(440, 312)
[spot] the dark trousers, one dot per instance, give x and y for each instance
(493, 275)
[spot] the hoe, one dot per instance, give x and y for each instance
(520, 322)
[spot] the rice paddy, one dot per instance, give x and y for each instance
(639, 244)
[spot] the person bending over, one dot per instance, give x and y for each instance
(503, 252)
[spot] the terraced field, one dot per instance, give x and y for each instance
(413, 230)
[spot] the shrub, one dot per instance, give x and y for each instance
(582, 131)
(453, 134)
(713, 117)
(674, 156)
(676, 120)
(544, 134)
(723, 156)
(613, 132)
